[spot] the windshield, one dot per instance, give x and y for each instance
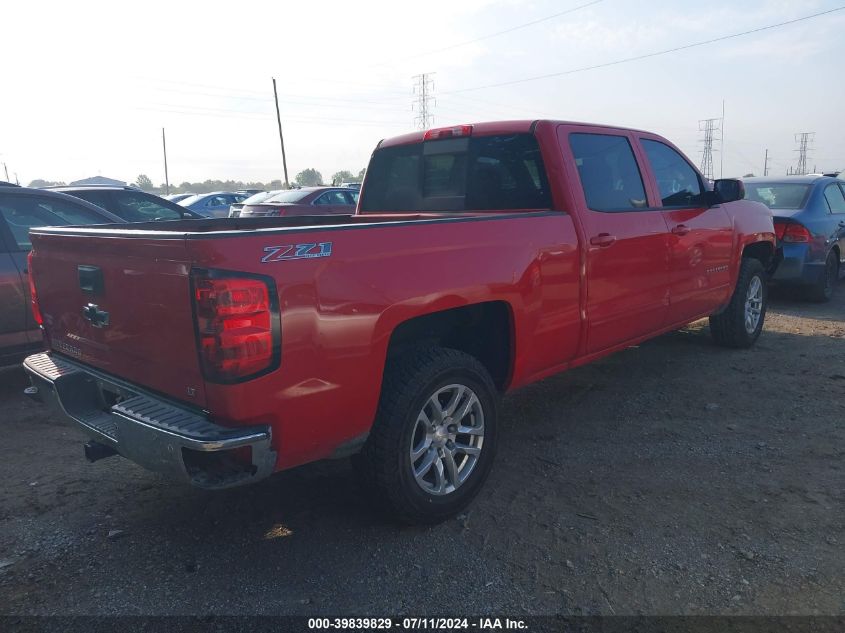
(291, 195)
(190, 200)
(259, 197)
(777, 195)
(458, 174)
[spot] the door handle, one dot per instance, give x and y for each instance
(680, 229)
(602, 239)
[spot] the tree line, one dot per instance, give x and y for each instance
(306, 178)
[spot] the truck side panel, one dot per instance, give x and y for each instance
(339, 311)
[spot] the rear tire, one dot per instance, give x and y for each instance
(822, 290)
(739, 325)
(434, 438)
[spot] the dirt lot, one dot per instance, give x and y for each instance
(676, 477)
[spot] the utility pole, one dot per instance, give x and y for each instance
(166, 178)
(804, 139)
(281, 137)
(766, 164)
(722, 144)
(424, 93)
(6, 169)
(710, 128)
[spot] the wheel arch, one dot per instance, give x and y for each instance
(764, 252)
(482, 330)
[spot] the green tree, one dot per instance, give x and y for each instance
(38, 183)
(342, 176)
(144, 183)
(309, 177)
(361, 174)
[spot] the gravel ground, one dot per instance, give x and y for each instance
(672, 478)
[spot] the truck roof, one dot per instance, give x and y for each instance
(486, 128)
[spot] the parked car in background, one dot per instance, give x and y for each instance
(178, 197)
(305, 201)
(22, 208)
(235, 209)
(809, 213)
(129, 204)
(215, 204)
(351, 185)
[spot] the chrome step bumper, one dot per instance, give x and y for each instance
(148, 430)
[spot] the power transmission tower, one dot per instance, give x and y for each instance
(424, 100)
(711, 128)
(804, 140)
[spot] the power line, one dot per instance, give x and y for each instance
(503, 32)
(644, 56)
(264, 117)
(424, 91)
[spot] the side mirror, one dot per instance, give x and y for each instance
(729, 189)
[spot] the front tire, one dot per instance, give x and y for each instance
(739, 325)
(434, 438)
(822, 290)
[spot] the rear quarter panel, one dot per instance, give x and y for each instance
(753, 222)
(338, 312)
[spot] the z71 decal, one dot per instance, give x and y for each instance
(296, 251)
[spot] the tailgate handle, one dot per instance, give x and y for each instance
(90, 279)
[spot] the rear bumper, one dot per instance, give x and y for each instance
(148, 430)
(795, 268)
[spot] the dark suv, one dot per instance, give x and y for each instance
(129, 203)
(22, 208)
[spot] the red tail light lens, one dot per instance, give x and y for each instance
(780, 227)
(237, 323)
(794, 232)
(33, 296)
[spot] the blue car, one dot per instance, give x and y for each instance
(809, 214)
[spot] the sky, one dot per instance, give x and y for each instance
(88, 86)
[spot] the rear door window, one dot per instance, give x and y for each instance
(677, 181)
(140, 207)
(22, 213)
(100, 198)
(608, 171)
(69, 212)
(500, 172)
(332, 198)
(835, 199)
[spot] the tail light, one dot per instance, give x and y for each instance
(780, 227)
(237, 324)
(33, 295)
(794, 232)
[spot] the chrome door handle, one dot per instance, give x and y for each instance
(680, 229)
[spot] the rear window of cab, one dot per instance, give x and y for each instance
(502, 172)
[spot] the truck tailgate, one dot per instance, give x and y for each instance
(121, 305)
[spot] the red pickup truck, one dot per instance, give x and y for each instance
(480, 258)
